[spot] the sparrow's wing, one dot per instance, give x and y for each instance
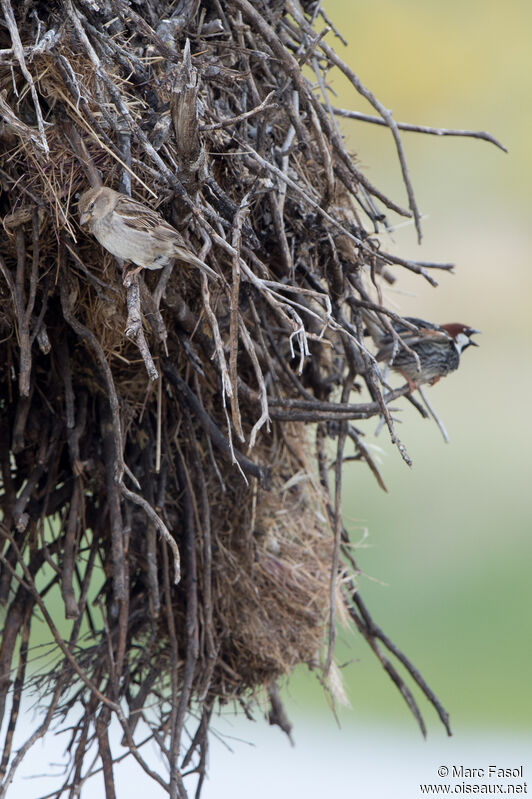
(380, 334)
(422, 323)
(141, 217)
(412, 339)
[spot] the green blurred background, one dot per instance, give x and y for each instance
(449, 547)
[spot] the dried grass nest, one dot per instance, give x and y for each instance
(190, 525)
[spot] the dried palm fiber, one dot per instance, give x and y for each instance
(165, 445)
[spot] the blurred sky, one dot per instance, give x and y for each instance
(447, 550)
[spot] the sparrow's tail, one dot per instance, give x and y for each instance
(189, 258)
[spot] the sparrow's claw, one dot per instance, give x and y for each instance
(129, 273)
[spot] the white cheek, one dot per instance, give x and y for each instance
(461, 341)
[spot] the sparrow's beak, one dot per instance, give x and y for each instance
(84, 218)
(473, 333)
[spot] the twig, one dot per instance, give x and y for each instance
(19, 52)
(337, 517)
(277, 713)
(474, 134)
(231, 121)
(235, 316)
(67, 587)
(160, 525)
(133, 329)
(262, 473)
(84, 333)
(192, 618)
(434, 415)
(372, 633)
(333, 58)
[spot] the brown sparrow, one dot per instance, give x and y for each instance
(134, 232)
(438, 348)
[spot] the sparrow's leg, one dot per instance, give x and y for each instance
(412, 385)
(129, 272)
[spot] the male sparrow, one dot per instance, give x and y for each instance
(438, 348)
(134, 232)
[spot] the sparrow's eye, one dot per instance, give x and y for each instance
(91, 205)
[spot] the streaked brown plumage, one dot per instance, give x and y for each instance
(438, 348)
(133, 231)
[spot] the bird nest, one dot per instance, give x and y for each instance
(168, 504)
